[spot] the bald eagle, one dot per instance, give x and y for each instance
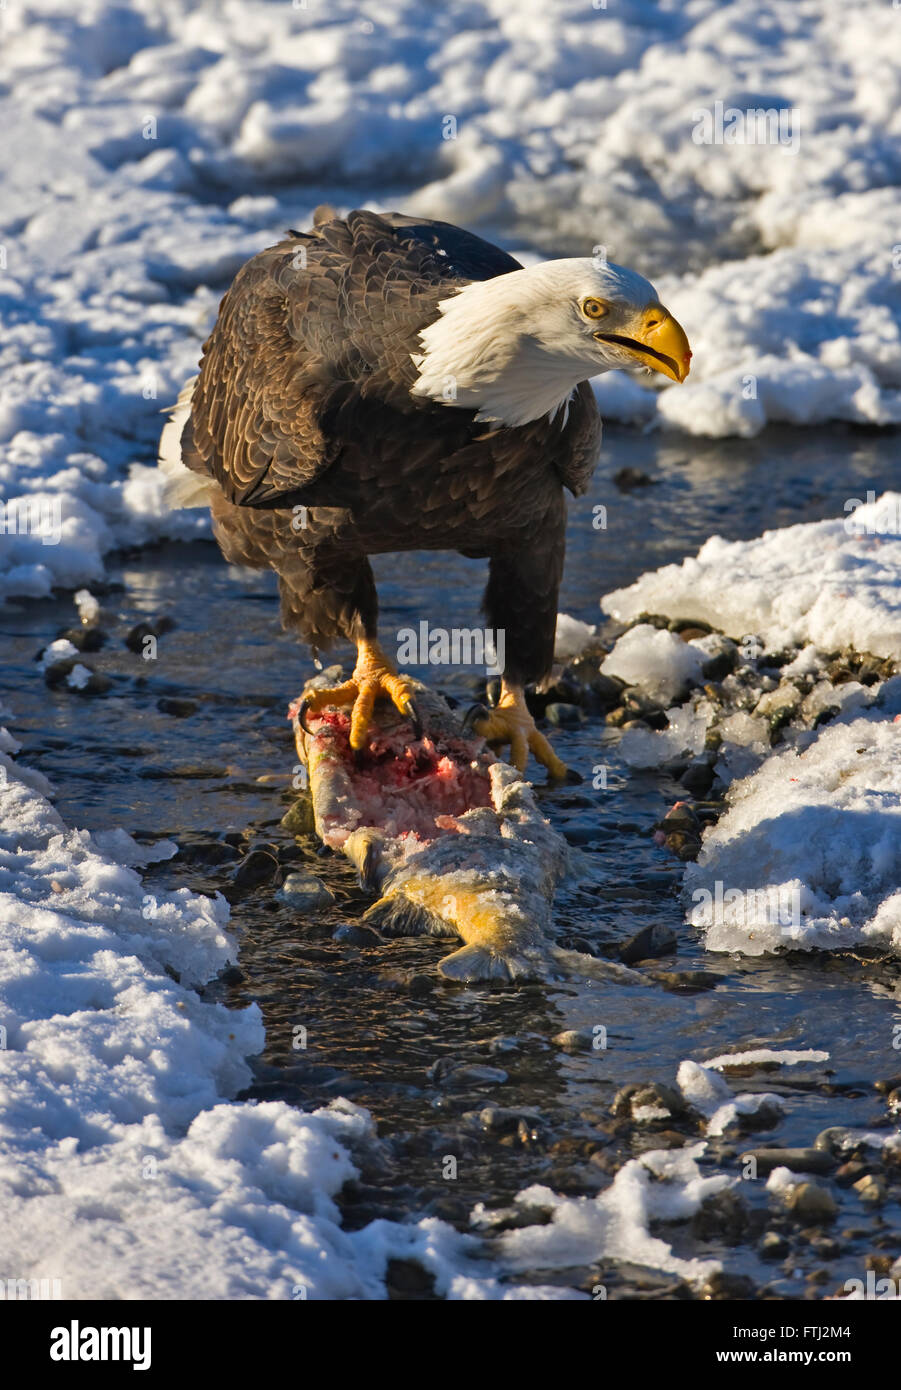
(386, 383)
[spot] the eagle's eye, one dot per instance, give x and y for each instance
(594, 308)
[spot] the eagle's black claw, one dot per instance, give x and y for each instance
(472, 714)
(568, 778)
(414, 718)
(302, 714)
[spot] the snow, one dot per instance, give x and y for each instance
(88, 606)
(148, 152)
(830, 584)
(756, 1056)
(662, 1185)
(60, 650)
(808, 855)
(150, 149)
(572, 637)
(688, 724)
(781, 1181)
(657, 660)
(708, 1092)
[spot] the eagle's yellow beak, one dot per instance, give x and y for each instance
(659, 343)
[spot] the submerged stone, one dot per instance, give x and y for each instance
(306, 891)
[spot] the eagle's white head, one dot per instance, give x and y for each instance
(514, 347)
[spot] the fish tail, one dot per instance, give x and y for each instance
(575, 965)
(473, 963)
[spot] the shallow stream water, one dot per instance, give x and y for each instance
(381, 1026)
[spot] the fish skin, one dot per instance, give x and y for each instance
(493, 887)
(490, 881)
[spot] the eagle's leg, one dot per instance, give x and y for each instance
(373, 675)
(521, 606)
(510, 722)
(327, 590)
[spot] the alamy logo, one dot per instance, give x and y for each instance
(747, 907)
(33, 516)
(873, 1287)
(886, 522)
(19, 1290)
(456, 646)
(77, 1343)
(728, 125)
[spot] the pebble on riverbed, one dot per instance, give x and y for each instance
(808, 1201)
(646, 1104)
(136, 637)
(724, 1215)
(773, 1246)
(455, 1074)
(84, 639)
(306, 893)
(798, 1160)
(871, 1190)
(685, 981)
(680, 831)
(352, 934)
(563, 716)
(259, 866)
(79, 679)
(299, 818)
(655, 939)
(180, 709)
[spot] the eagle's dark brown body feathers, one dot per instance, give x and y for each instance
(303, 401)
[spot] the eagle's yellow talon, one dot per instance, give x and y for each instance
(343, 694)
(510, 722)
(546, 756)
(373, 677)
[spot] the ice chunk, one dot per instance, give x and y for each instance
(660, 1186)
(707, 1091)
(572, 637)
(686, 732)
(60, 650)
(88, 606)
(656, 660)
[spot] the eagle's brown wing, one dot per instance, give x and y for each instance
(307, 328)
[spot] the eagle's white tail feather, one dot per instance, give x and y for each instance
(183, 487)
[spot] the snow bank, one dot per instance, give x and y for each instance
(808, 854)
(147, 149)
(830, 584)
(124, 1170)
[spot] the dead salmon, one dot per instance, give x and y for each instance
(450, 838)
